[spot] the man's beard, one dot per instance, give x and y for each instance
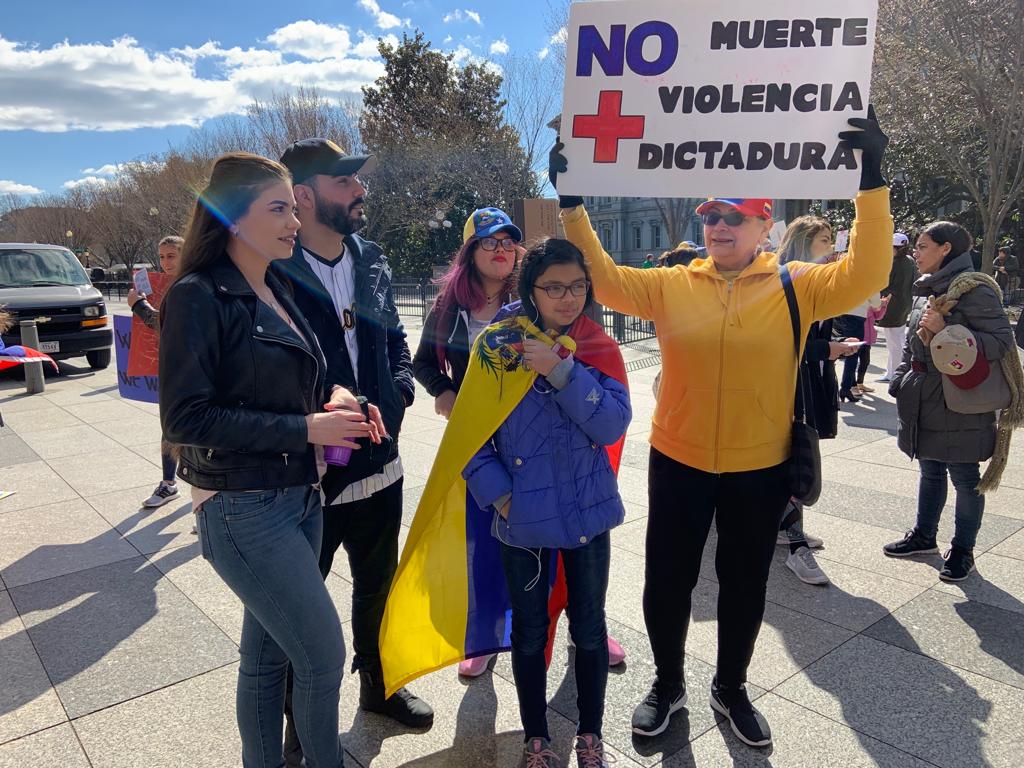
(339, 217)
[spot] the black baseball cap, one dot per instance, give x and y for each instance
(310, 157)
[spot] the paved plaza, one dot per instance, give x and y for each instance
(119, 645)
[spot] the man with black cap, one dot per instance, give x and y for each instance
(343, 287)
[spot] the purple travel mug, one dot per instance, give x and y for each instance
(337, 455)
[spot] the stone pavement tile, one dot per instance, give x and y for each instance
(53, 748)
(801, 739)
(628, 684)
(190, 573)
(14, 450)
(964, 633)
(788, 641)
(633, 485)
(188, 724)
(632, 535)
(1011, 547)
(114, 470)
(997, 581)
(148, 530)
(27, 700)
(135, 430)
(901, 481)
(418, 452)
(118, 631)
(151, 408)
(1006, 502)
(635, 511)
(41, 420)
(427, 429)
(410, 499)
(837, 445)
(56, 539)
(883, 451)
(14, 399)
(952, 718)
(106, 410)
(636, 453)
(623, 601)
(79, 440)
(476, 725)
(77, 394)
(860, 545)
(35, 484)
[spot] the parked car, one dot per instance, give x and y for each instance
(46, 283)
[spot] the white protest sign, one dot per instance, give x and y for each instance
(697, 98)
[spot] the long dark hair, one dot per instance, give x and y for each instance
(545, 254)
(237, 179)
(942, 232)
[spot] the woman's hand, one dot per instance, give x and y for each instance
(539, 357)
(557, 163)
(340, 428)
(343, 400)
(872, 142)
(133, 297)
(505, 509)
(444, 403)
(837, 349)
(933, 320)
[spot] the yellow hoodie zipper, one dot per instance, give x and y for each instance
(721, 370)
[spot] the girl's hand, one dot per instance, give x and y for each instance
(444, 403)
(932, 320)
(505, 508)
(133, 297)
(343, 400)
(539, 357)
(341, 428)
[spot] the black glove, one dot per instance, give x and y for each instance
(872, 143)
(558, 164)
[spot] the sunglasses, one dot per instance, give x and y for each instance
(731, 219)
(557, 290)
(492, 243)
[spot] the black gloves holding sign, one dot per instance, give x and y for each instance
(558, 164)
(872, 143)
(869, 139)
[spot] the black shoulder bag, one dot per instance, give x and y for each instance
(805, 456)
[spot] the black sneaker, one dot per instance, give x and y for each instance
(403, 707)
(747, 723)
(959, 564)
(652, 715)
(914, 543)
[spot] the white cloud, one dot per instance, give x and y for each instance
(383, 19)
(462, 15)
(559, 37)
(543, 54)
(312, 40)
(88, 181)
(122, 86)
(8, 187)
(447, 39)
(110, 169)
(499, 47)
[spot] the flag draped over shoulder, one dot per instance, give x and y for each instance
(448, 600)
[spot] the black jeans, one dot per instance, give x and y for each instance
(747, 508)
(368, 529)
(586, 577)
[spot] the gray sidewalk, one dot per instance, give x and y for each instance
(118, 644)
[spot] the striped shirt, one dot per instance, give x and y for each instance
(365, 488)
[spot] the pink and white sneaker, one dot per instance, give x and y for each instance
(474, 667)
(616, 653)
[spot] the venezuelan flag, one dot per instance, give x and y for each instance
(448, 600)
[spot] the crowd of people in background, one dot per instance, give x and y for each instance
(285, 375)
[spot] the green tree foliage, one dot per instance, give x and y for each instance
(443, 146)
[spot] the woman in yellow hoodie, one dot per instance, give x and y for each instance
(721, 431)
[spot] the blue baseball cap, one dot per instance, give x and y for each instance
(484, 222)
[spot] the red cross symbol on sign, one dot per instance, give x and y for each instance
(608, 126)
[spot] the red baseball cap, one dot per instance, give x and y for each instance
(955, 353)
(758, 208)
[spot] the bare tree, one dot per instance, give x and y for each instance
(951, 74)
(532, 90)
(675, 214)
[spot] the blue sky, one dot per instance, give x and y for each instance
(86, 85)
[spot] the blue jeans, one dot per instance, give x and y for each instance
(586, 576)
(931, 498)
(265, 546)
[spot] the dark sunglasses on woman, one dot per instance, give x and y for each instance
(732, 218)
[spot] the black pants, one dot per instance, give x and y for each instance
(747, 508)
(368, 529)
(850, 326)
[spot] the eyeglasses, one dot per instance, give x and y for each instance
(731, 219)
(492, 243)
(557, 290)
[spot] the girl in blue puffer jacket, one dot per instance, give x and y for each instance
(548, 475)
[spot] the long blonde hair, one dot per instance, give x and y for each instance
(800, 234)
(6, 321)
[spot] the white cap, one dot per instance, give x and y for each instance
(899, 240)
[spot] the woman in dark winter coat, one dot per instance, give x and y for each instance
(943, 440)
(809, 238)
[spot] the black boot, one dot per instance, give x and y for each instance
(403, 707)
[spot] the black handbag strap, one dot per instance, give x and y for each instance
(794, 318)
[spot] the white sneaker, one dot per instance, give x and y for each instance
(163, 493)
(782, 540)
(806, 568)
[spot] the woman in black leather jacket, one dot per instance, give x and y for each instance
(242, 396)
